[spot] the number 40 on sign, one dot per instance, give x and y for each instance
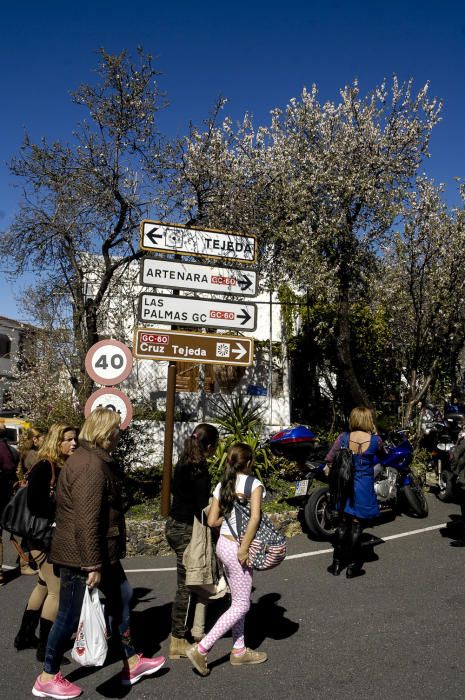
(109, 362)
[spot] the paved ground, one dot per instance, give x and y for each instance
(397, 632)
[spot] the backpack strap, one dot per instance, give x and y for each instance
(234, 534)
(345, 440)
(247, 493)
(248, 486)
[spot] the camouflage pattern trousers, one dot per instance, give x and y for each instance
(179, 535)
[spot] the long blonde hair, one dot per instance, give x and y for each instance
(50, 448)
(99, 426)
(26, 441)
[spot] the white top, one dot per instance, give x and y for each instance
(240, 485)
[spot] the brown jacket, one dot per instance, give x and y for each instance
(90, 529)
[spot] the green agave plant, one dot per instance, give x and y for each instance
(239, 421)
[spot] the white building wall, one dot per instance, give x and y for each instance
(11, 329)
(149, 377)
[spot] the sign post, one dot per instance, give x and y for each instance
(109, 362)
(168, 444)
(193, 311)
(172, 274)
(205, 348)
(111, 398)
(210, 243)
(174, 310)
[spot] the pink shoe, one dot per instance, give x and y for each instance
(56, 687)
(144, 667)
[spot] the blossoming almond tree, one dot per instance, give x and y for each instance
(423, 288)
(321, 185)
(89, 196)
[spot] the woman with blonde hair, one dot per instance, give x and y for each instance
(42, 479)
(361, 505)
(30, 443)
(88, 544)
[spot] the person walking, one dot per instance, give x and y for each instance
(234, 557)
(30, 442)
(191, 490)
(457, 467)
(42, 479)
(8, 463)
(87, 546)
(365, 444)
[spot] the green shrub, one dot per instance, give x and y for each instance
(240, 421)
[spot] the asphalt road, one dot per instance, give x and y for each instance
(396, 632)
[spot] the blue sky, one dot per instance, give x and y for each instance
(258, 54)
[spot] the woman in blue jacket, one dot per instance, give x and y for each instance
(366, 446)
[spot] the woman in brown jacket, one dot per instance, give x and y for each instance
(42, 480)
(87, 546)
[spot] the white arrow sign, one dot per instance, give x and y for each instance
(239, 351)
(201, 278)
(173, 238)
(191, 311)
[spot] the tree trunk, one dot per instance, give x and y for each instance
(354, 395)
(416, 395)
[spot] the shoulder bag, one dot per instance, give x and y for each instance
(341, 474)
(18, 520)
(268, 548)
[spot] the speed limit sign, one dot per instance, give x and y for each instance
(114, 399)
(108, 362)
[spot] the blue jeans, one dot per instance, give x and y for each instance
(72, 588)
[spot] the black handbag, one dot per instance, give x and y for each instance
(341, 476)
(18, 520)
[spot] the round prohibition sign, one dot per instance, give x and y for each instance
(109, 362)
(114, 399)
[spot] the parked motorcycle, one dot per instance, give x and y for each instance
(440, 464)
(395, 484)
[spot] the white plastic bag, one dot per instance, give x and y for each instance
(90, 647)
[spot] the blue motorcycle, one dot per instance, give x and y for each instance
(395, 485)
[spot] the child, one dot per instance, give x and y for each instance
(234, 558)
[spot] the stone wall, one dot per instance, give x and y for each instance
(147, 537)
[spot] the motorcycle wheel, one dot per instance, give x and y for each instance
(316, 516)
(415, 499)
(446, 487)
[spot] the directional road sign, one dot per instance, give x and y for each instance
(192, 311)
(108, 362)
(202, 242)
(206, 348)
(110, 398)
(200, 278)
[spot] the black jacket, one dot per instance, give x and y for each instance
(191, 491)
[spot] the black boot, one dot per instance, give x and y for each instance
(354, 568)
(339, 546)
(44, 629)
(26, 638)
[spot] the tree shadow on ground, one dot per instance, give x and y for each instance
(454, 529)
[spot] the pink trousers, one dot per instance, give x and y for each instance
(240, 583)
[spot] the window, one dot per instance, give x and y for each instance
(5, 346)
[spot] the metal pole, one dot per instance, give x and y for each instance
(168, 446)
(270, 366)
(202, 393)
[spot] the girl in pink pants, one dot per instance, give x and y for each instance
(234, 558)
